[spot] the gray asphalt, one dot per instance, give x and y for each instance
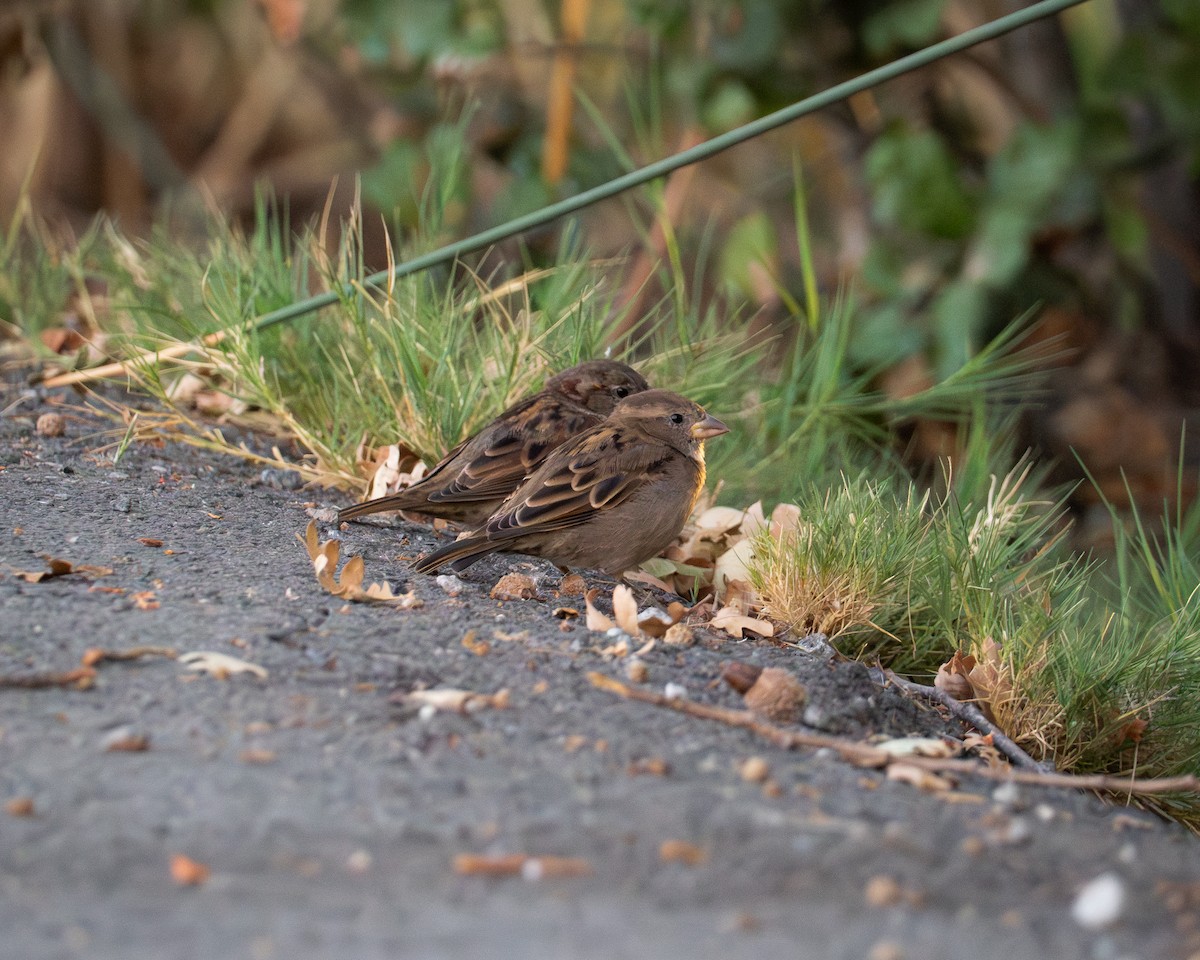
(330, 816)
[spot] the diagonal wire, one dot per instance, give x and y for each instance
(660, 168)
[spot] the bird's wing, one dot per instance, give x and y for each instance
(596, 473)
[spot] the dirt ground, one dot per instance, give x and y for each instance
(331, 816)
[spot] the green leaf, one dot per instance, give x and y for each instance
(916, 185)
(958, 314)
(904, 23)
(751, 241)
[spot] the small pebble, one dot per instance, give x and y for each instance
(675, 691)
(1007, 795)
(886, 950)
(816, 644)
(282, 479)
(450, 585)
(679, 635)
(124, 739)
(754, 769)
(51, 425)
(636, 670)
(19, 807)
(1100, 902)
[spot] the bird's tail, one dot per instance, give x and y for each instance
(397, 501)
(459, 555)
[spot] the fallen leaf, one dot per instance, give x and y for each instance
(625, 610)
(952, 676)
(187, 872)
(454, 701)
(61, 340)
(596, 621)
(145, 600)
(19, 807)
(736, 623)
(150, 542)
(917, 747)
(481, 648)
(220, 665)
(126, 741)
(918, 777)
(680, 851)
(733, 568)
(520, 864)
(56, 567)
(348, 585)
(652, 766)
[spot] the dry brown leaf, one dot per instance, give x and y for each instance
(220, 665)
(455, 701)
(735, 623)
(785, 519)
(520, 864)
(952, 676)
(348, 586)
(680, 851)
(481, 648)
(755, 521)
(61, 340)
(989, 679)
(187, 872)
(641, 576)
(56, 567)
(596, 621)
(917, 747)
(625, 610)
(145, 600)
(918, 777)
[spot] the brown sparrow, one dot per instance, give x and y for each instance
(617, 494)
(474, 478)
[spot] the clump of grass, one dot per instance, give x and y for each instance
(848, 564)
(1094, 680)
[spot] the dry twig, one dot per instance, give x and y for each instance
(868, 756)
(974, 716)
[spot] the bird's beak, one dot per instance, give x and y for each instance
(710, 426)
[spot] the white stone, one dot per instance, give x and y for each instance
(1100, 902)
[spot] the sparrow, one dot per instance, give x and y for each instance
(617, 494)
(472, 480)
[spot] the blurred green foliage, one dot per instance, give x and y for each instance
(962, 237)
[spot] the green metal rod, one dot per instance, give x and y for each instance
(660, 168)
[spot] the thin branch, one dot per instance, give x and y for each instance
(81, 678)
(865, 755)
(974, 716)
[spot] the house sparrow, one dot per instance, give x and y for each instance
(474, 478)
(612, 497)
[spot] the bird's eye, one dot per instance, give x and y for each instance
(620, 392)
(677, 418)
